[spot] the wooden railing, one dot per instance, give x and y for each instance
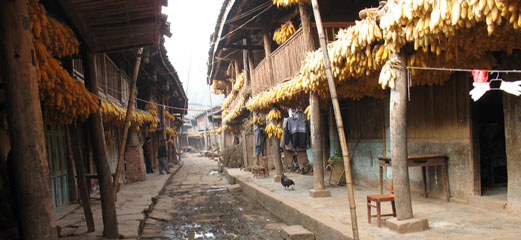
(287, 58)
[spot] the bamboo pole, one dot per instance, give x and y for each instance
(130, 107)
(338, 116)
(28, 155)
(108, 205)
(80, 173)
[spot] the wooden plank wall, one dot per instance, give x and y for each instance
(364, 119)
(440, 111)
(434, 112)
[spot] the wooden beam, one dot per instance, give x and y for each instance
(338, 117)
(398, 126)
(249, 47)
(130, 107)
(108, 206)
(80, 25)
(80, 174)
(27, 158)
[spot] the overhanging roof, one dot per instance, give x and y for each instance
(108, 25)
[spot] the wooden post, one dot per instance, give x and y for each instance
(73, 189)
(314, 104)
(245, 64)
(316, 142)
(108, 205)
(80, 174)
(275, 142)
(338, 116)
(30, 165)
(130, 107)
(333, 133)
(398, 125)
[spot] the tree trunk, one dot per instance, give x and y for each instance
(398, 125)
(108, 206)
(80, 174)
(28, 154)
(130, 108)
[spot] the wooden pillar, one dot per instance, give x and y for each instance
(80, 175)
(73, 188)
(108, 206)
(275, 142)
(334, 146)
(316, 142)
(250, 61)
(130, 108)
(314, 103)
(398, 125)
(28, 154)
(338, 117)
(245, 64)
(305, 19)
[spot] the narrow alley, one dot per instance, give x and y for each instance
(197, 204)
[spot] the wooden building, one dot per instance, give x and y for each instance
(99, 43)
(478, 138)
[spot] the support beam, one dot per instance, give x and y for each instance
(398, 125)
(30, 168)
(275, 142)
(247, 47)
(108, 205)
(314, 104)
(338, 116)
(80, 175)
(130, 108)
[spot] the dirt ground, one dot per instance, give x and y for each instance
(197, 205)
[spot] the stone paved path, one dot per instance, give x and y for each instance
(196, 204)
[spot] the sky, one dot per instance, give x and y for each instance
(192, 23)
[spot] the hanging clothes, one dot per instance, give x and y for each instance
(297, 133)
(259, 137)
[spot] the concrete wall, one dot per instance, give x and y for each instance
(512, 111)
(435, 126)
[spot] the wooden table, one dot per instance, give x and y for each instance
(421, 161)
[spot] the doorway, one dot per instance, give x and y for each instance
(492, 153)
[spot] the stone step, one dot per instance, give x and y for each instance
(296, 232)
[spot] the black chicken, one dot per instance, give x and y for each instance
(286, 182)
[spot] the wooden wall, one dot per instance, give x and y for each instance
(440, 111)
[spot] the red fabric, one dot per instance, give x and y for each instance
(480, 76)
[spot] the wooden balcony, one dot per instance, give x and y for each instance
(288, 57)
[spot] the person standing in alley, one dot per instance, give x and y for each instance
(146, 151)
(161, 155)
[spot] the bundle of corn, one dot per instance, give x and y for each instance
(216, 84)
(256, 120)
(238, 110)
(273, 131)
(286, 3)
(169, 116)
(171, 131)
(228, 100)
(218, 130)
(152, 109)
(115, 115)
(274, 114)
(283, 33)
(63, 99)
(171, 141)
(451, 32)
(239, 82)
